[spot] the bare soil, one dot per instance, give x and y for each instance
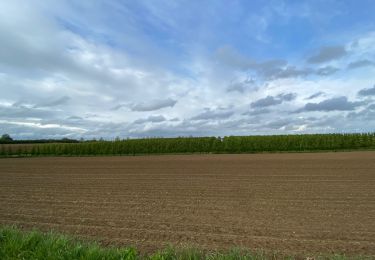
(291, 203)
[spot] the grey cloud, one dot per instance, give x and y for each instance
(287, 97)
(293, 124)
(28, 105)
(213, 114)
(267, 101)
(240, 86)
(249, 81)
(74, 118)
(270, 65)
(290, 72)
(278, 68)
(24, 112)
(91, 115)
(317, 94)
(256, 112)
(271, 101)
(82, 64)
(232, 58)
(294, 72)
(367, 91)
(268, 69)
(154, 105)
(348, 123)
(117, 107)
(367, 114)
(327, 53)
(333, 104)
(360, 63)
(271, 69)
(20, 104)
(283, 71)
(152, 119)
(278, 123)
(57, 102)
(326, 71)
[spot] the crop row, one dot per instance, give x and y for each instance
(230, 144)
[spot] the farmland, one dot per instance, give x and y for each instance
(296, 204)
(227, 144)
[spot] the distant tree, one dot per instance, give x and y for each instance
(6, 138)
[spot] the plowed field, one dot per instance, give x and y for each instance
(291, 203)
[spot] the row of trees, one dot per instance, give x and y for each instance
(230, 144)
(7, 139)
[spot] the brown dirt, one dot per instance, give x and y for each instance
(291, 203)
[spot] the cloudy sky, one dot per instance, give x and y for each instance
(185, 68)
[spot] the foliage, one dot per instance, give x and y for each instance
(5, 138)
(228, 144)
(16, 244)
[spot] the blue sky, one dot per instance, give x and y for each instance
(179, 68)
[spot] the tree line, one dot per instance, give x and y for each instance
(228, 144)
(7, 139)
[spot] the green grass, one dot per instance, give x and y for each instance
(15, 244)
(32, 245)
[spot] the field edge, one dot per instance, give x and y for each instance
(16, 243)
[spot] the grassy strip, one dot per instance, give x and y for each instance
(17, 244)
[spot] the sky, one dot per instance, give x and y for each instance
(131, 69)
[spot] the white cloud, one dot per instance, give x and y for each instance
(44, 126)
(74, 69)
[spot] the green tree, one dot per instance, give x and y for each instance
(5, 138)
